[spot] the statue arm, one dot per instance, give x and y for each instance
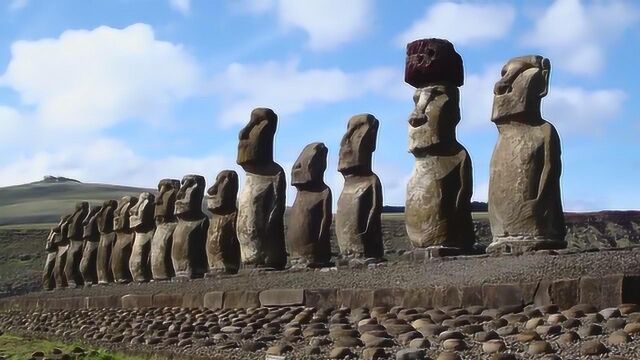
(376, 204)
(466, 184)
(325, 226)
(552, 166)
(277, 212)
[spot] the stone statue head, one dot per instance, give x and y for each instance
(524, 82)
(89, 224)
(75, 229)
(358, 144)
(310, 166)
(141, 214)
(221, 197)
(189, 197)
(105, 216)
(121, 215)
(256, 139)
(165, 202)
(432, 61)
(434, 118)
(55, 235)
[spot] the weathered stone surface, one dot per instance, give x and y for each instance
(124, 240)
(62, 246)
(358, 217)
(166, 222)
(261, 203)
(610, 290)
(100, 302)
(188, 251)
(564, 292)
(214, 300)
(166, 300)
(223, 248)
(321, 298)
(91, 237)
(497, 295)
(310, 216)
(355, 298)
(525, 206)
(74, 253)
(241, 299)
(433, 61)
(51, 247)
(107, 241)
(282, 297)
(438, 202)
(131, 301)
(143, 225)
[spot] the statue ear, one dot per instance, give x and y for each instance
(546, 71)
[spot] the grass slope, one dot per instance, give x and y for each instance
(43, 202)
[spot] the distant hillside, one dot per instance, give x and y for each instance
(44, 201)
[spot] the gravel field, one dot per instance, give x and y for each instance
(582, 332)
(471, 270)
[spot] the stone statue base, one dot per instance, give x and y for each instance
(139, 260)
(518, 245)
(161, 266)
(103, 265)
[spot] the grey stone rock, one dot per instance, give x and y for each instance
(75, 232)
(188, 251)
(124, 240)
(166, 222)
(358, 217)
(223, 248)
(309, 221)
(107, 241)
(142, 222)
(524, 186)
(91, 238)
(261, 204)
(411, 354)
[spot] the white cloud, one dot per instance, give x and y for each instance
(283, 86)
(107, 160)
(328, 23)
(575, 35)
(182, 6)
(11, 125)
(577, 110)
(476, 98)
(15, 5)
(462, 23)
(90, 80)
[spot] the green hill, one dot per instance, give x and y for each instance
(43, 202)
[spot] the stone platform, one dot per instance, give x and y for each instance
(564, 278)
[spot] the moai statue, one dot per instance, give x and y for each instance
(525, 207)
(51, 247)
(358, 218)
(223, 248)
(75, 234)
(438, 202)
(166, 222)
(124, 240)
(309, 222)
(261, 203)
(107, 241)
(91, 237)
(188, 251)
(141, 221)
(62, 245)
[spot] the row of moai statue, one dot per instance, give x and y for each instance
(170, 236)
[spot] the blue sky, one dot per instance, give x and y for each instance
(132, 91)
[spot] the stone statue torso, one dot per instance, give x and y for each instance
(432, 216)
(305, 223)
(358, 222)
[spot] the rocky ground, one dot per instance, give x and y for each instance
(582, 332)
(399, 273)
(23, 255)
